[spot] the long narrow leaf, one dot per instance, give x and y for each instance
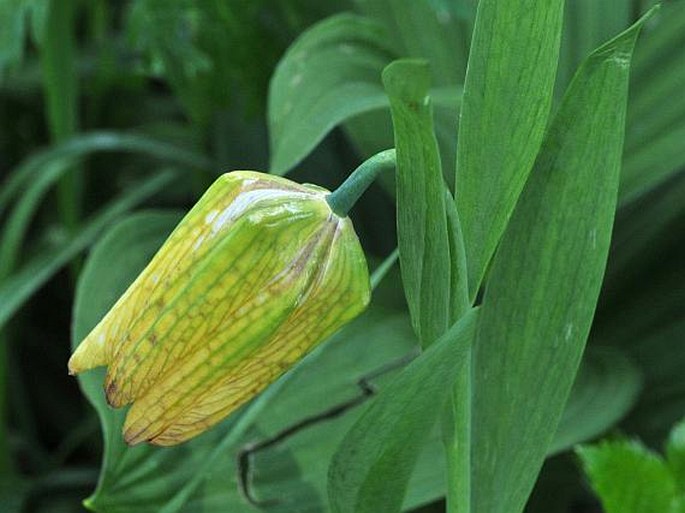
(423, 236)
(370, 471)
(84, 145)
(546, 277)
(507, 98)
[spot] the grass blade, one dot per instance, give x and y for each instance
(58, 62)
(94, 142)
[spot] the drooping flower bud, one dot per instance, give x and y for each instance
(255, 275)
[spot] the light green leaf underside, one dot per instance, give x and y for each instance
(331, 73)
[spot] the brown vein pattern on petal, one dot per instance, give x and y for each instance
(171, 261)
(250, 327)
(337, 293)
(227, 281)
(256, 274)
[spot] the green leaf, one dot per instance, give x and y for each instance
(653, 162)
(656, 109)
(661, 359)
(641, 232)
(18, 287)
(13, 17)
(438, 31)
(675, 454)
(544, 284)
(605, 389)
(370, 470)
(629, 478)
(331, 73)
(507, 98)
(587, 24)
(423, 235)
(37, 174)
(58, 158)
(61, 90)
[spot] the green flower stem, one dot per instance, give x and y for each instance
(344, 197)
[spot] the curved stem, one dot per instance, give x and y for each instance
(344, 197)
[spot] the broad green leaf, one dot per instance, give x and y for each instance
(605, 389)
(628, 478)
(331, 73)
(438, 31)
(423, 234)
(507, 99)
(544, 283)
(18, 287)
(370, 471)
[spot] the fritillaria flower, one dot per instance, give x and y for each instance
(259, 272)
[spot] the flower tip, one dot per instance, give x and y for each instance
(89, 354)
(75, 366)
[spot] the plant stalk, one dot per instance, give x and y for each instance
(344, 197)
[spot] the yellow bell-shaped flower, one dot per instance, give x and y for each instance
(255, 275)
